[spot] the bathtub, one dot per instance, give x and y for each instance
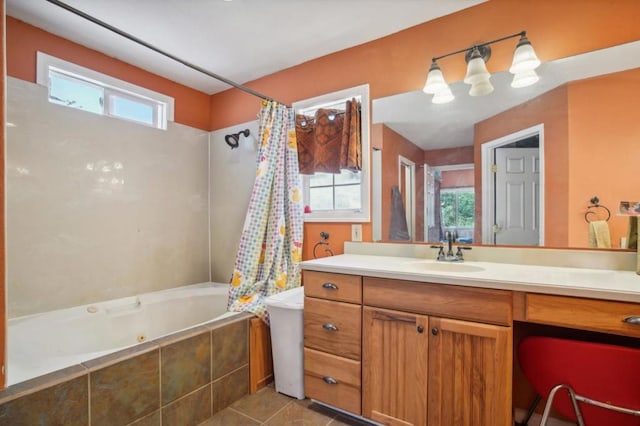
(42, 343)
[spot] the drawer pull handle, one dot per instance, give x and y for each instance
(329, 327)
(330, 286)
(330, 380)
(635, 320)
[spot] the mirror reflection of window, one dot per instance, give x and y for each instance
(457, 207)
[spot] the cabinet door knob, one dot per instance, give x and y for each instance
(329, 327)
(434, 331)
(420, 329)
(634, 320)
(330, 286)
(330, 380)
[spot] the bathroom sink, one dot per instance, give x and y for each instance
(432, 266)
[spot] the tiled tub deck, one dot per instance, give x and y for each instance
(182, 379)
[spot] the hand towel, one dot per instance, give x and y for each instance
(599, 234)
(398, 230)
(632, 232)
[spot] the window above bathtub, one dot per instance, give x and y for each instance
(78, 87)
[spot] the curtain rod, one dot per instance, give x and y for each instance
(160, 51)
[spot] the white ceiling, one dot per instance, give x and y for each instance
(431, 126)
(241, 40)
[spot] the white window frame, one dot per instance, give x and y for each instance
(163, 104)
(364, 213)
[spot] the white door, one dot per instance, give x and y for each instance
(517, 196)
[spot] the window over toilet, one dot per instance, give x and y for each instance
(340, 196)
(78, 87)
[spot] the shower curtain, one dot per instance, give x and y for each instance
(270, 251)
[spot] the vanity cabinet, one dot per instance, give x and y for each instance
(408, 353)
(441, 356)
(333, 339)
(394, 374)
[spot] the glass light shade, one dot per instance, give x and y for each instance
(435, 80)
(524, 79)
(476, 70)
(524, 58)
(481, 88)
(443, 96)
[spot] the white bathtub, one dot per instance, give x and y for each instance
(42, 343)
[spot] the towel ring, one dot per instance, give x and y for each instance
(595, 204)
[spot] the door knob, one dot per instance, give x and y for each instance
(420, 329)
(434, 331)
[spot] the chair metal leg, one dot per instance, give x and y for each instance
(532, 409)
(552, 394)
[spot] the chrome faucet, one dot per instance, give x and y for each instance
(451, 237)
(449, 256)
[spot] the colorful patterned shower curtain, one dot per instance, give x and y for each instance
(268, 259)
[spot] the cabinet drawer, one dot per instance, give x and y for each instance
(332, 327)
(333, 380)
(344, 288)
(586, 314)
(450, 301)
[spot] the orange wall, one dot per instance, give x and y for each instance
(399, 63)
(445, 157)
(24, 40)
(550, 109)
(394, 145)
(457, 179)
(604, 125)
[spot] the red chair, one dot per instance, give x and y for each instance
(602, 382)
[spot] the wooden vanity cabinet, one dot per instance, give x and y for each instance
(443, 359)
(394, 371)
(333, 339)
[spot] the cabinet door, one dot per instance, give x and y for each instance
(469, 373)
(394, 381)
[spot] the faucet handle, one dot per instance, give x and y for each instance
(440, 252)
(459, 252)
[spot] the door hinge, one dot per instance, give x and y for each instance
(494, 168)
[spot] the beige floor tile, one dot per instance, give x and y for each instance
(230, 417)
(262, 404)
(301, 413)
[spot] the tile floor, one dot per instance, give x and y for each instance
(269, 408)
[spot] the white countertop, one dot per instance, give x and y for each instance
(580, 282)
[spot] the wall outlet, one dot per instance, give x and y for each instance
(356, 232)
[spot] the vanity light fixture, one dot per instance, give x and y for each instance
(523, 67)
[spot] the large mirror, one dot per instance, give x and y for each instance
(441, 167)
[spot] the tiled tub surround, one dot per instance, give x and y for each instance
(42, 343)
(104, 207)
(182, 379)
